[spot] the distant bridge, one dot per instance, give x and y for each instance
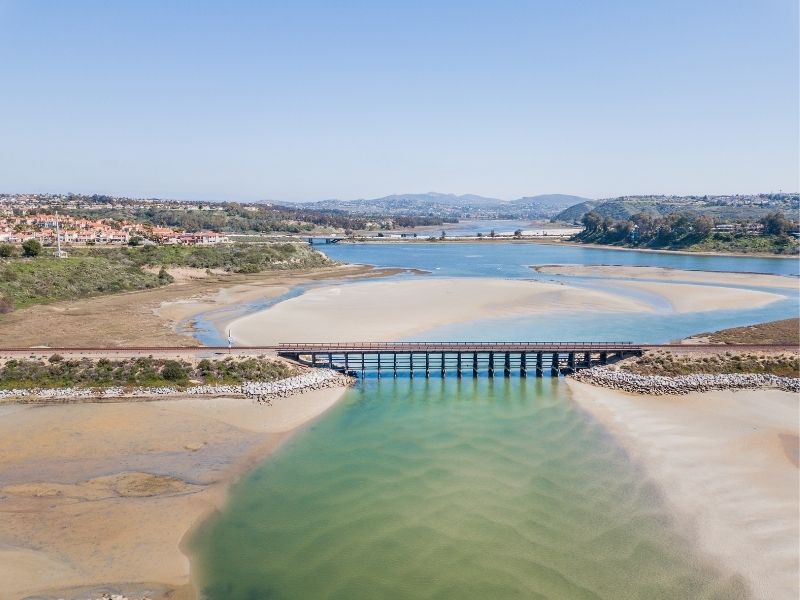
(459, 357)
(325, 239)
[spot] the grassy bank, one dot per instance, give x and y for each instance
(24, 282)
(235, 258)
(784, 364)
(786, 331)
(96, 271)
(137, 372)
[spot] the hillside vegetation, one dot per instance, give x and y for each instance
(682, 231)
(672, 364)
(722, 209)
(785, 331)
(95, 271)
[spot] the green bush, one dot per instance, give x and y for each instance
(173, 371)
(31, 248)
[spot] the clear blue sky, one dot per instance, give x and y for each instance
(308, 100)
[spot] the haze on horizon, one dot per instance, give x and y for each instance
(309, 101)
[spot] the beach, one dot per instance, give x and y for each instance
(727, 462)
(99, 497)
(383, 310)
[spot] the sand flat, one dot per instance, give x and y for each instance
(103, 494)
(725, 462)
(381, 310)
(673, 275)
(686, 297)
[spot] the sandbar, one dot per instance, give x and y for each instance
(381, 310)
(673, 275)
(728, 464)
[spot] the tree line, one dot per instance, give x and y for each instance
(672, 230)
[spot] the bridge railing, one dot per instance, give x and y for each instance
(423, 346)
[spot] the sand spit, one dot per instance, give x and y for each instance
(96, 498)
(673, 275)
(727, 461)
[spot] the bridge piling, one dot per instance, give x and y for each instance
(507, 365)
(554, 366)
(444, 366)
(427, 365)
(523, 365)
(571, 362)
(604, 358)
(458, 365)
(491, 364)
(587, 359)
(474, 364)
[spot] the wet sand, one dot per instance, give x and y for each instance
(97, 497)
(673, 275)
(381, 310)
(728, 463)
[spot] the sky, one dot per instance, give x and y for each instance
(335, 99)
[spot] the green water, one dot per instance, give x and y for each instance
(452, 489)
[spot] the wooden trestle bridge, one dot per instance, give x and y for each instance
(492, 358)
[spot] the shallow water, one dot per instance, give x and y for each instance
(452, 489)
(471, 488)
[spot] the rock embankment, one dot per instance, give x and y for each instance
(312, 379)
(683, 384)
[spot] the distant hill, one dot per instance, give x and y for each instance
(405, 201)
(722, 208)
(575, 213)
(559, 201)
(464, 206)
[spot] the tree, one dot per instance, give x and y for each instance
(775, 223)
(134, 240)
(31, 248)
(492, 233)
(592, 221)
(518, 233)
(6, 250)
(444, 235)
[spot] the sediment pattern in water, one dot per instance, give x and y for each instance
(452, 489)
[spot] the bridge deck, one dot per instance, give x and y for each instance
(452, 347)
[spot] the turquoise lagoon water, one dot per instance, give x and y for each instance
(453, 489)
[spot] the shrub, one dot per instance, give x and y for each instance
(6, 250)
(31, 248)
(173, 371)
(56, 358)
(6, 305)
(164, 276)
